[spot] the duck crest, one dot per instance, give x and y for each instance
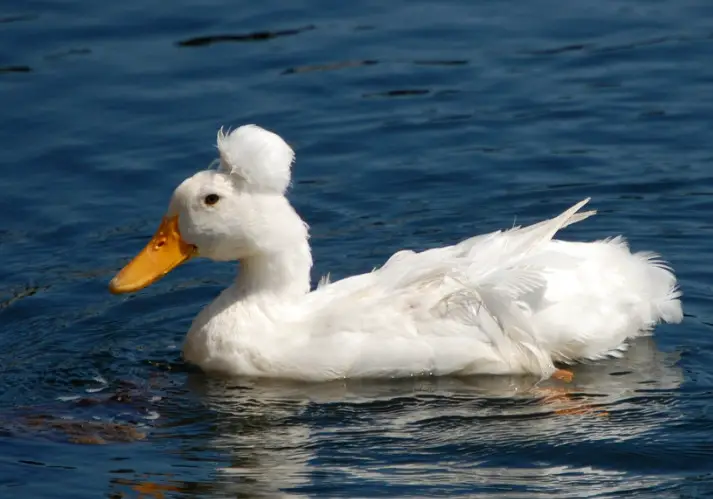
(256, 158)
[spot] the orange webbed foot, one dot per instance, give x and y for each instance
(563, 403)
(563, 375)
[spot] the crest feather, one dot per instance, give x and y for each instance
(256, 157)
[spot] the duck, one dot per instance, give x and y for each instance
(515, 301)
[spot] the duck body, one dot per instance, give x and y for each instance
(511, 302)
(508, 302)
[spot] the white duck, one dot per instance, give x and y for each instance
(508, 302)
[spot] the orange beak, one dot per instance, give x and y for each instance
(163, 253)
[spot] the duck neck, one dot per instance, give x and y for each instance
(284, 273)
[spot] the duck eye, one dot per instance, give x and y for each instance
(211, 199)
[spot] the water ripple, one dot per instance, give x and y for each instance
(256, 36)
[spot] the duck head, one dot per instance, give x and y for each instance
(234, 212)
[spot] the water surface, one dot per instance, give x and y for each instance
(416, 124)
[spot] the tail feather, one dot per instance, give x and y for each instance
(665, 293)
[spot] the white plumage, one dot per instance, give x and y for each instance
(508, 302)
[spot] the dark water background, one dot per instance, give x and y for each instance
(415, 124)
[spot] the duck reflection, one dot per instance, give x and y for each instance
(476, 433)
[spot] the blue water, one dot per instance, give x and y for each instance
(415, 124)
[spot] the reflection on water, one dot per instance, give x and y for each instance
(295, 436)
